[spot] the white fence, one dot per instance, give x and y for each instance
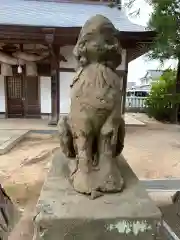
(135, 103)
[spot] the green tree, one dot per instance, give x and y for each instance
(165, 20)
(160, 100)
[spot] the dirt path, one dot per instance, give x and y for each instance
(24, 229)
(22, 173)
(153, 151)
(23, 169)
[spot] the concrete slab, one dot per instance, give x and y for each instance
(9, 138)
(133, 122)
(25, 124)
(166, 184)
(42, 124)
(161, 198)
(62, 213)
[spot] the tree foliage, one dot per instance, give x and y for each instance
(161, 99)
(165, 20)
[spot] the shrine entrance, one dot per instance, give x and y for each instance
(22, 96)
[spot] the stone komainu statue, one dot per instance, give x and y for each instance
(93, 132)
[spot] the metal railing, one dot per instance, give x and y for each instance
(135, 104)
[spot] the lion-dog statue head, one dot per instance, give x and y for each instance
(98, 42)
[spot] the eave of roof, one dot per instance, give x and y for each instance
(61, 15)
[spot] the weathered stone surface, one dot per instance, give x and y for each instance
(62, 213)
(94, 129)
(9, 215)
(176, 201)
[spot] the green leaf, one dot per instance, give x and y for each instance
(165, 20)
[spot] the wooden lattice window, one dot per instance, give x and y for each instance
(14, 87)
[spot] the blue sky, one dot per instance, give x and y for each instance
(138, 67)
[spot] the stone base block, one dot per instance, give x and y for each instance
(63, 214)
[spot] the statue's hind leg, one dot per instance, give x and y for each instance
(84, 151)
(119, 145)
(66, 137)
(110, 179)
(81, 177)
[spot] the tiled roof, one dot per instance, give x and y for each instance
(63, 14)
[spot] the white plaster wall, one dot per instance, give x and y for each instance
(2, 95)
(45, 93)
(65, 82)
(66, 51)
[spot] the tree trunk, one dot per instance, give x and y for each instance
(175, 109)
(8, 214)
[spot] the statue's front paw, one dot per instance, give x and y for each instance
(112, 183)
(81, 182)
(67, 151)
(70, 154)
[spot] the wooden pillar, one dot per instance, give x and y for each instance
(49, 34)
(54, 85)
(124, 92)
(125, 84)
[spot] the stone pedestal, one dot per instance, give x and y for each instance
(63, 214)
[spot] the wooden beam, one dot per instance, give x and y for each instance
(32, 33)
(21, 41)
(12, 40)
(66, 69)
